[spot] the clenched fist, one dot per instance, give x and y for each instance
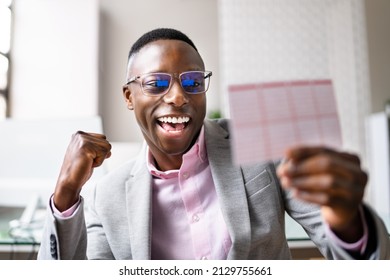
(85, 152)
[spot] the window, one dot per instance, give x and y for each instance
(5, 46)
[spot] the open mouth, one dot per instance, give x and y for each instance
(173, 124)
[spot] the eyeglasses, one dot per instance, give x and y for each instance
(155, 84)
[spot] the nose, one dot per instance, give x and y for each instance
(176, 96)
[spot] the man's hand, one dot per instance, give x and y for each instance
(334, 180)
(85, 152)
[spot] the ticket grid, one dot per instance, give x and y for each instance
(267, 118)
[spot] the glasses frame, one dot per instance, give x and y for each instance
(207, 75)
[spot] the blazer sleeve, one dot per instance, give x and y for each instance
(64, 238)
(378, 245)
(98, 246)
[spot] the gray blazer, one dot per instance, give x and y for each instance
(116, 218)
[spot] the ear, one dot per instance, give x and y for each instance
(128, 97)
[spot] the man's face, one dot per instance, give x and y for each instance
(153, 113)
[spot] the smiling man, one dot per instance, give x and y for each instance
(182, 197)
(169, 101)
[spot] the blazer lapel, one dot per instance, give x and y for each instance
(230, 189)
(138, 203)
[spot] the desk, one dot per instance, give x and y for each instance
(27, 247)
(17, 247)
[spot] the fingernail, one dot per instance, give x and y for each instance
(290, 167)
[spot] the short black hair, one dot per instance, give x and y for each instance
(159, 34)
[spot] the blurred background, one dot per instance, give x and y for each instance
(66, 60)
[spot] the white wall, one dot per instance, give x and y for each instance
(54, 59)
(378, 139)
(122, 22)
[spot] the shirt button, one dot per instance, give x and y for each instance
(195, 218)
(185, 175)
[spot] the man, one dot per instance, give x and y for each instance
(182, 198)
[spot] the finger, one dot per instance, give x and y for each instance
(325, 183)
(325, 189)
(299, 153)
(321, 199)
(329, 198)
(95, 139)
(92, 137)
(316, 198)
(102, 151)
(99, 159)
(338, 165)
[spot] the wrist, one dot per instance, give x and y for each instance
(351, 231)
(64, 198)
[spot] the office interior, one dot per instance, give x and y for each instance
(63, 64)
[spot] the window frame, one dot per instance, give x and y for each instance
(6, 92)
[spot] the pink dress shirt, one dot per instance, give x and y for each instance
(187, 222)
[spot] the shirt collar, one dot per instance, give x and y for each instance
(198, 150)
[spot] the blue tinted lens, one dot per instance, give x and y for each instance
(193, 82)
(188, 83)
(162, 83)
(156, 83)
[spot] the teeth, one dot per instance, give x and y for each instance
(174, 119)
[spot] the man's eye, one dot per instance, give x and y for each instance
(190, 83)
(157, 83)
